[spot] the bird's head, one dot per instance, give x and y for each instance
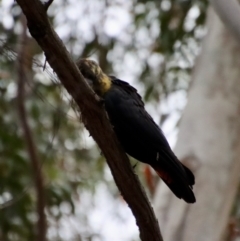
(94, 75)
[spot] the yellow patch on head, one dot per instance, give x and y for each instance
(105, 83)
(101, 83)
(103, 80)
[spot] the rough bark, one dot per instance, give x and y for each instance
(208, 142)
(93, 116)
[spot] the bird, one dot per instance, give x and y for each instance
(138, 134)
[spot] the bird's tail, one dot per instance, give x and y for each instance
(179, 183)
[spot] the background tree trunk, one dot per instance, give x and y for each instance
(208, 142)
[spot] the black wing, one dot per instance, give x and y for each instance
(126, 111)
(139, 134)
(128, 108)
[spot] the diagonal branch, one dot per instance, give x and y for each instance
(33, 156)
(94, 118)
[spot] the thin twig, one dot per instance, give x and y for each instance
(14, 200)
(31, 147)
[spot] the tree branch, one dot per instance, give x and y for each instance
(35, 162)
(229, 12)
(94, 118)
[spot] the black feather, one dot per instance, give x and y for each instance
(142, 139)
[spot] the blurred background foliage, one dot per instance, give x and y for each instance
(151, 44)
